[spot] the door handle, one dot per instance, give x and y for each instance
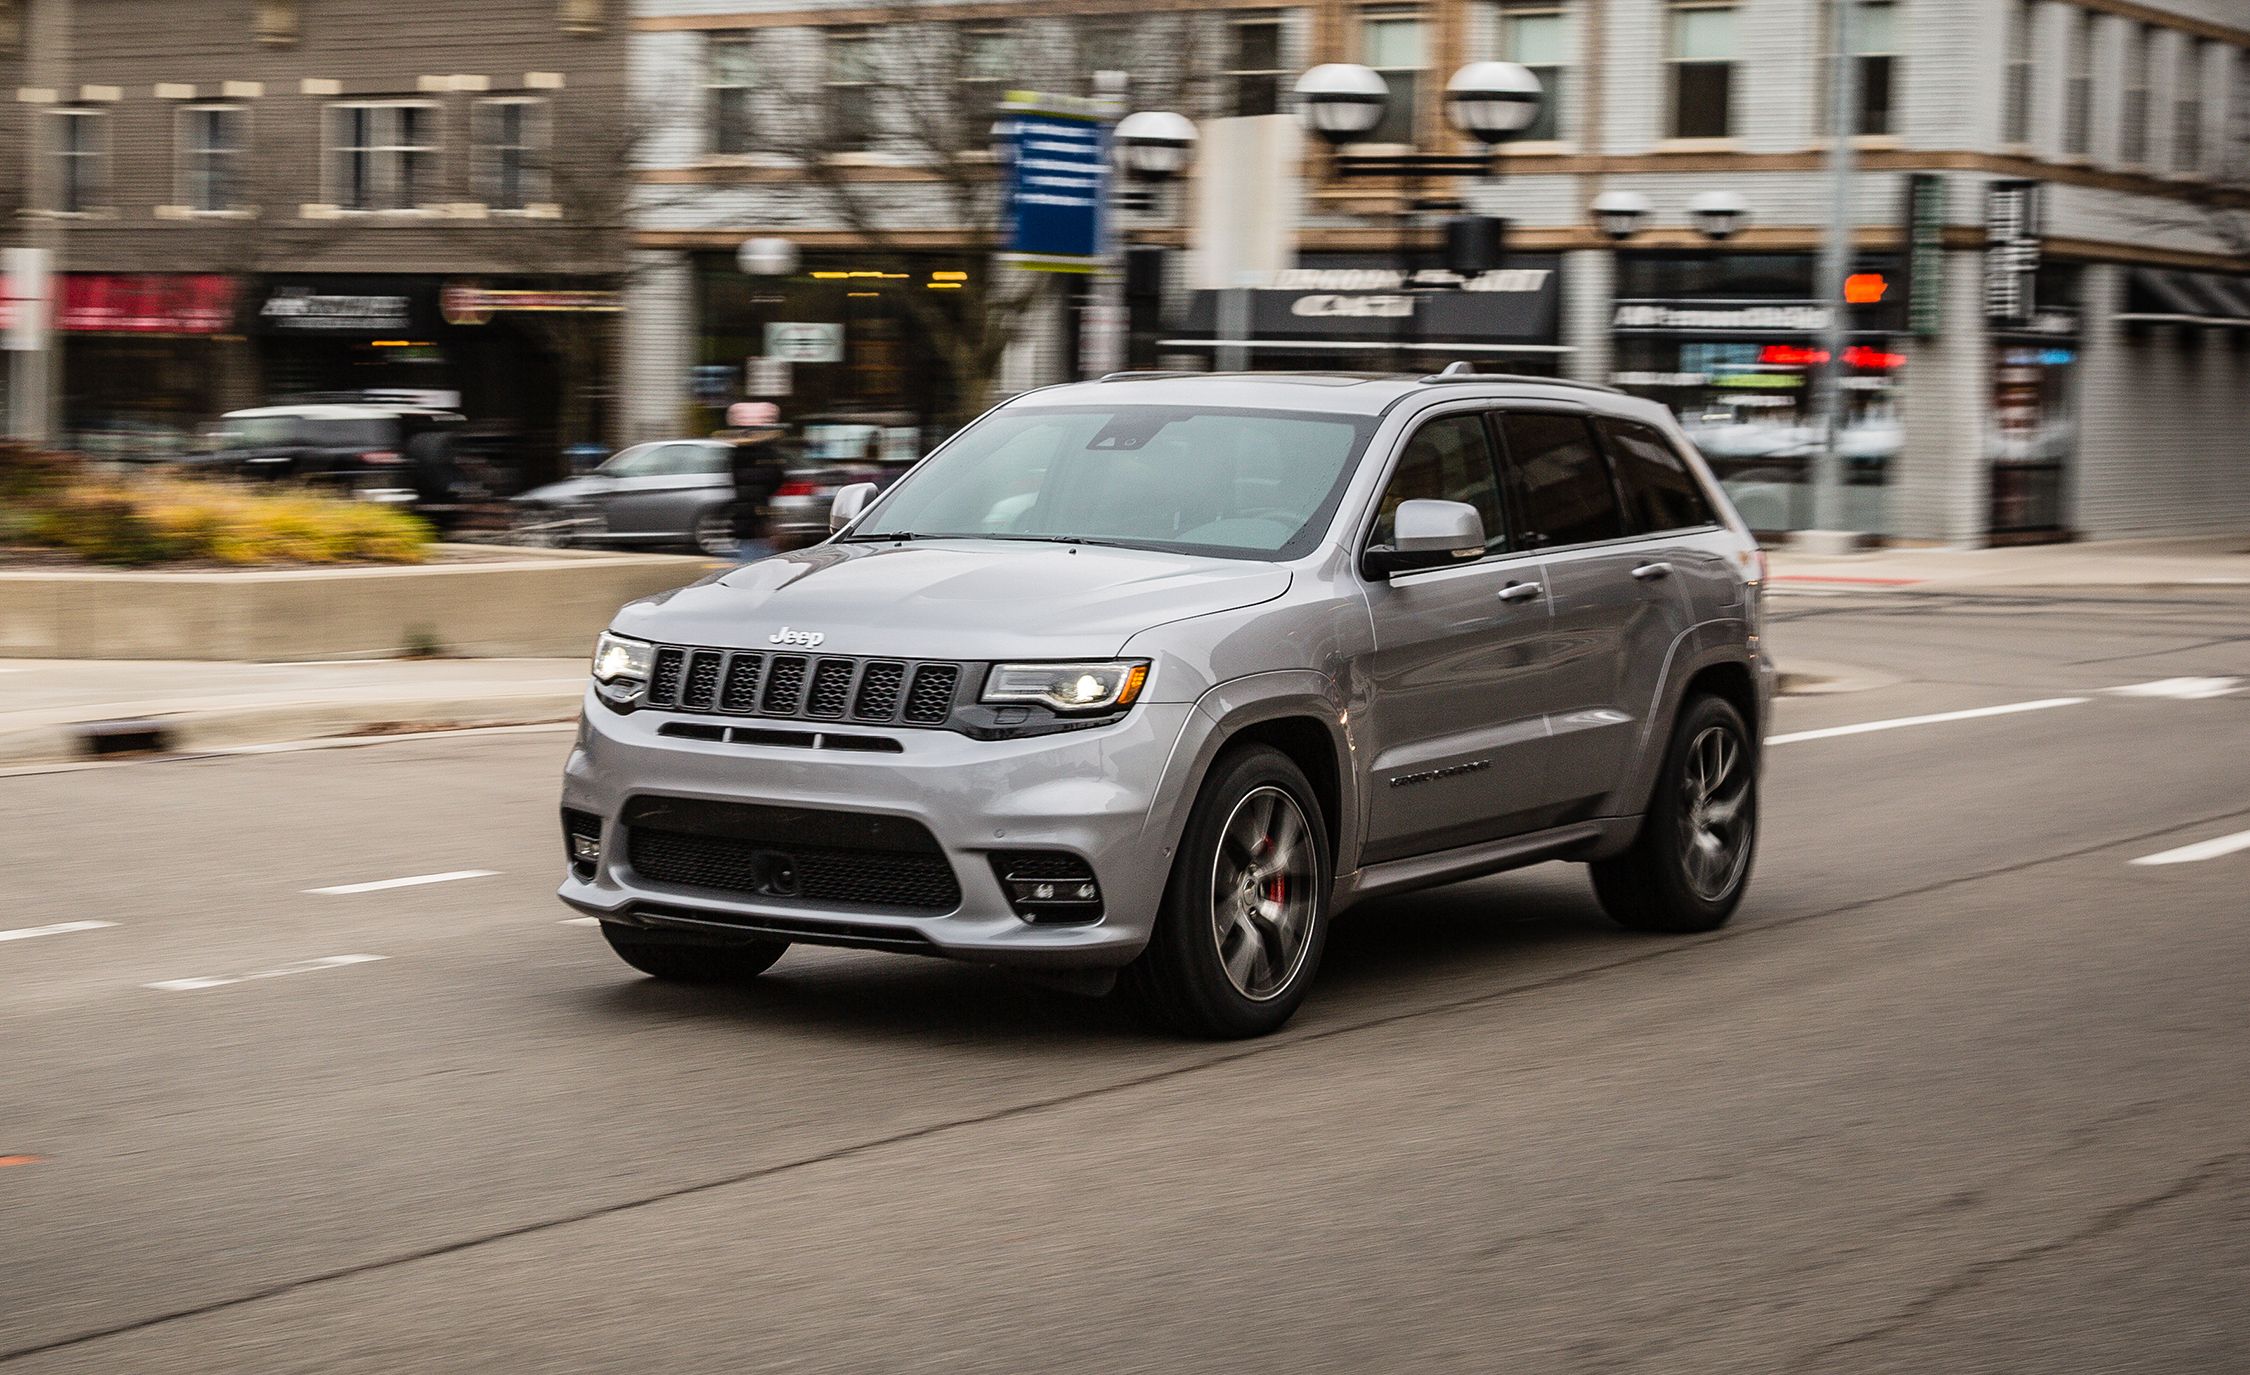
(1650, 572)
(1520, 591)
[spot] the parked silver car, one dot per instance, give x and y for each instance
(1157, 674)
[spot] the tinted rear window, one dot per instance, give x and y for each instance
(1660, 492)
(1567, 496)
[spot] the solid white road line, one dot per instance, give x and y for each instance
(2181, 689)
(300, 967)
(60, 928)
(1900, 723)
(414, 882)
(2201, 850)
(580, 921)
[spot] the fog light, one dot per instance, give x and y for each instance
(586, 849)
(1046, 886)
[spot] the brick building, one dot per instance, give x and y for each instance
(248, 199)
(1983, 403)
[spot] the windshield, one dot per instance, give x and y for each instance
(1243, 484)
(265, 431)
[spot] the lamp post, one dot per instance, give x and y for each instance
(1620, 214)
(1719, 215)
(771, 259)
(1153, 148)
(1490, 102)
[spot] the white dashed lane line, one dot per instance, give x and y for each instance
(1901, 722)
(415, 881)
(2201, 850)
(300, 967)
(580, 921)
(60, 928)
(2181, 689)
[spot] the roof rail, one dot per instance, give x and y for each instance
(1146, 376)
(1461, 372)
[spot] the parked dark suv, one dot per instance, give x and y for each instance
(371, 448)
(1156, 674)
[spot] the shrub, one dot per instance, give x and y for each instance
(162, 520)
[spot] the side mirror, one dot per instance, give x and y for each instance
(850, 501)
(1428, 534)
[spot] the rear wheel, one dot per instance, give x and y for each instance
(1246, 912)
(1687, 869)
(690, 960)
(714, 532)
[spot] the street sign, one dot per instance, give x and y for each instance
(805, 342)
(2011, 253)
(1925, 254)
(711, 383)
(27, 292)
(1056, 150)
(766, 377)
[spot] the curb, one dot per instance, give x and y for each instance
(222, 727)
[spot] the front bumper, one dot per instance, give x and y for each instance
(1093, 793)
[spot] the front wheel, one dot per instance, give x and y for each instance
(690, 960)
(1246, 912)
(1687, 869)
(714, 532)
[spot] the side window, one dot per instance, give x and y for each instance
(706, 460)
(1448, 459)
(1560, 479)
(1660, 492)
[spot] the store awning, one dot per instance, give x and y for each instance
(2168, 296)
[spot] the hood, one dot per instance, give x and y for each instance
(953, 599)
(569, 490)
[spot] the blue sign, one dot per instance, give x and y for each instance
(1057, 179)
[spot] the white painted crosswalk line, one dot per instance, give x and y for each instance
(60, 928)
(1938, 718)
(300, 967)
(2181, 689)
(416, 881)
(2201, 850)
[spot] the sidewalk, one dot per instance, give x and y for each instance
(2207, 561)
(46, 704)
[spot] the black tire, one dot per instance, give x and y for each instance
(1277, 932)
(692, 960)
(713, 534)
(1686, 870)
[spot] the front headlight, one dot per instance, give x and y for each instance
(1069, 687)
(621, 667)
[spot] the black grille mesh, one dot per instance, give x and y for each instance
(785, 685)
(753, 683)
(824, 874)
(741, 692)
(878, 692)
(930, 700)
(831, 688)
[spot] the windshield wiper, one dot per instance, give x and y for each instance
(902, 536)
(1065, 539)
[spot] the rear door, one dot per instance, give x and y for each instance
(1665, 503)
(656, 500)
(1615, 610)
(1456, 734)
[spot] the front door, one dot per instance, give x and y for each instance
(660, 499)
(1456, 732)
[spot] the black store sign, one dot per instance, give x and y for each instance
(1518, 304)
(350, 307)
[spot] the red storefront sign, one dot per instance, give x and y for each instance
(147, 303)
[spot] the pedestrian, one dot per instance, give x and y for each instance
(760, 461)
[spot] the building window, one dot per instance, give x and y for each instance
(2132, 125)
(1536, 34)
(1702, 62)
(1875, 49)
(2016, 118)
(275, 22)
(1106, 44)
(1393, 43)
(2078, 94)
(584, 16)
(211, 140)
(382, 156)
(848, 87)
(2187, 109)
(511, 152)
(1256, 77)
(11, 25)
(730, 78)
(81, 151)
(987, 53)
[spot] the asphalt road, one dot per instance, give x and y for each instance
(1962, 1088)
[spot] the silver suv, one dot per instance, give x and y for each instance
(1154, 676)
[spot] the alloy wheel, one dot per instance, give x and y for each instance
(1715, 795)
(1264, 890)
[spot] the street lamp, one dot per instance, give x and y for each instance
(1154, 147)
(1719, 215)
(1620, 214)
(767, 258)
(1490, 102)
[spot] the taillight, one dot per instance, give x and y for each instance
(796, 489)
(1758, 566)
(383, 458)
